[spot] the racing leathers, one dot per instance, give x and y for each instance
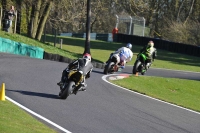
(125, 55)
(150, 53)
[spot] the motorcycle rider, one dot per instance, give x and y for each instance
(150, 51)
(83, 64)
(125, 55)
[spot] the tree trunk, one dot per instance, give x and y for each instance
(4, 4)
(179, 10)
(43, 20)
(18, 28)
(30, 22)
(190, 11)
(36, 18)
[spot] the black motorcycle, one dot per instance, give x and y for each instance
(71, 84)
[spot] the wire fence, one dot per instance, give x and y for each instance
(132, 25)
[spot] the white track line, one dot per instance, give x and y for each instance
(37, 115)
(104, 78)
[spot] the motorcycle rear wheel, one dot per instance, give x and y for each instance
(67, 90)
(107, 68)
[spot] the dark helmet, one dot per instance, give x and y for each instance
(129, 45)
(87, 56)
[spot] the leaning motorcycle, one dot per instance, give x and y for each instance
(140, 63)
(72, 83)
(111, 65)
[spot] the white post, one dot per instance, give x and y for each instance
(130, 25)
(143, 26)
(1, 15)
(15, 22)
(61, 42)
(117, 21)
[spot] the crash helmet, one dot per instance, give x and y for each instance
(87, 56)
(151, 43)
(129, 45)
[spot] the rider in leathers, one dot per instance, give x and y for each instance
(125, 55)
(83, 64)
(150, 53)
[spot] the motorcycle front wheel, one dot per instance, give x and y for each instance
(136, 67)
(67, 90)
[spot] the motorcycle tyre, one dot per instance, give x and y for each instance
(67, 90)
(108, 67)
(136, 66)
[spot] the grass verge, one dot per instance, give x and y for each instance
(182, 92)
(15, 120)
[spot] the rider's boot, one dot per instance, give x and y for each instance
(83, 86)
(119, 69)
(60, 83)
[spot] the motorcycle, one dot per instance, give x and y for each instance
(112, 65)
(71, 84)
(141, 64)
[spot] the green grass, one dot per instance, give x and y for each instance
(182, 92)
(15, 120)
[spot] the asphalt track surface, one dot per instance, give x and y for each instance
(103, 108)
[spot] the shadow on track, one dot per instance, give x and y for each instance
(35, 94)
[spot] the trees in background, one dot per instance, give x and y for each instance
(175, 20)
(31, 15)
(37, 12)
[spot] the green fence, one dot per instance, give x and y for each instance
(9, 46)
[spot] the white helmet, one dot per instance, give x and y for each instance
(129, 45)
